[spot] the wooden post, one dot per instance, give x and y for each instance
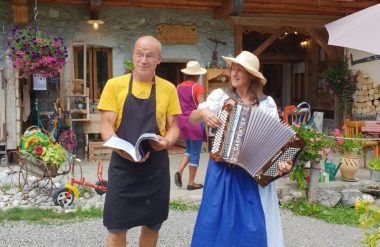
(238, 31)
(314, 180)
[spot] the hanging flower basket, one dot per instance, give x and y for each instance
(36, 52)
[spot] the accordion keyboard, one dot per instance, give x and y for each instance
(285, 156)
(219, 133)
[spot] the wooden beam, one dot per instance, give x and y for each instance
(267, 42)
(94, 8)
(281, 20)
(225, 10)
(337, 8)
(20, 11)
(176, 4)
(321, 42)
(238, 33)
(281, 58)
(348, 5)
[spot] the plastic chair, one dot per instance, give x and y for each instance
(353, 130)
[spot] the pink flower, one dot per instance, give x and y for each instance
(337, 133)
(327, 150)
(317, 139)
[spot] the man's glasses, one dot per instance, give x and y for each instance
(141, 55)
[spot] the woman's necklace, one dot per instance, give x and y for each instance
(246, 98)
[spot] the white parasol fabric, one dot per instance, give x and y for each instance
(360, 30)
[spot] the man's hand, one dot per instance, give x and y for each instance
(125, 155)
(161, 144)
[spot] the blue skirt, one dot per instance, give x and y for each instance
(231, 212)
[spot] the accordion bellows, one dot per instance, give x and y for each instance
(254, 140)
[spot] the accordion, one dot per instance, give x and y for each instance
(255, 141)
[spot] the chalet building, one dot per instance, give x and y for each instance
(287, 35)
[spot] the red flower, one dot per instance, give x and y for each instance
(38, 150)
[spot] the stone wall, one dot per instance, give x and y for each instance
(123, 26)
(5, 27)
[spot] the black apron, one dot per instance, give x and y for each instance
(137, 193)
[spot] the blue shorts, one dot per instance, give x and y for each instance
(193, 150)
(155, 227)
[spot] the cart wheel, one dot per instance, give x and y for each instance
(63, 197)
(70, 169)
(101, 183)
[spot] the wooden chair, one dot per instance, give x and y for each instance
(296, 118)
(353, 130)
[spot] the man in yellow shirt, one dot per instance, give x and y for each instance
(130, 105)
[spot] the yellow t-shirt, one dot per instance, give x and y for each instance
(116, 90)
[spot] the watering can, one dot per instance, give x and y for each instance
(331, 170)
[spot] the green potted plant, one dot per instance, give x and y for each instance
(374, 169)
(345, 145)
(350, 149)
(36, 52)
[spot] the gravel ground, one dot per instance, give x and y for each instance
(176, 232)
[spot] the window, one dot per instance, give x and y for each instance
(98, 68)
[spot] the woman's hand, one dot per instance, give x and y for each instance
(284, 167)
(210, 118)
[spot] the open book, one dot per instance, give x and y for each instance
(136, 152)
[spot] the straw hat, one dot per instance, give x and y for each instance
(249, 62)
(193, 68)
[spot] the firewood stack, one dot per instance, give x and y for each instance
(367, 100)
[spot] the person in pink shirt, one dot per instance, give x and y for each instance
(190, 94)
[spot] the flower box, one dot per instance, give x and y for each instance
(37, 167)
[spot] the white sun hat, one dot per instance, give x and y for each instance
(249, 62)
(193, 68)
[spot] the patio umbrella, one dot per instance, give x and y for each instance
(360, 30)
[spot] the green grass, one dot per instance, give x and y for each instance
(336, 215)
(48, 216)
(180, 206)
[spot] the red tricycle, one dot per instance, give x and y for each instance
(65, 196)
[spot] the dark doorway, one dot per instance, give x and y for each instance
(171, 72)
(273, 87)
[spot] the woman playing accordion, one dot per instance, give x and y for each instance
(235, 210)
